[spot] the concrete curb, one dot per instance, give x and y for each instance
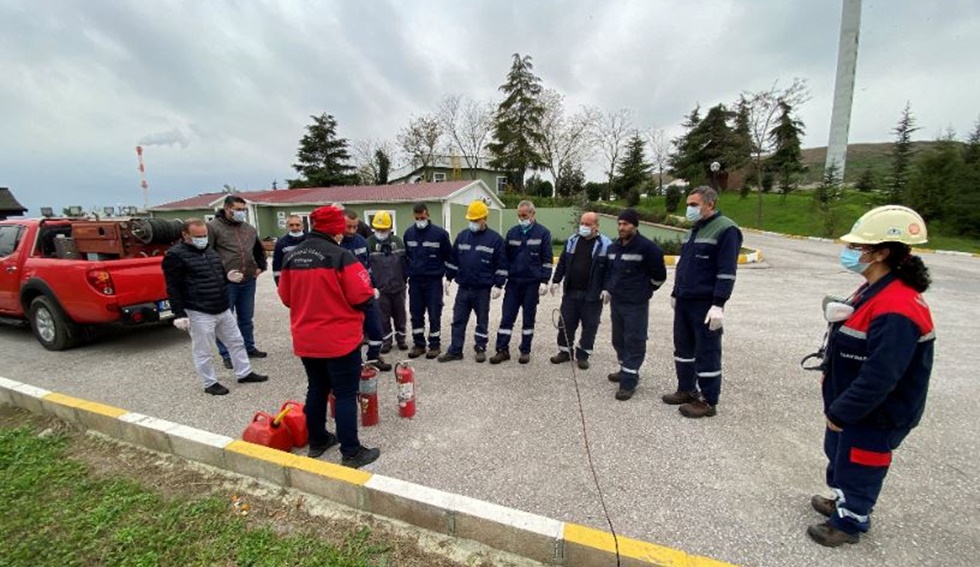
(837, 240)
(522, 533)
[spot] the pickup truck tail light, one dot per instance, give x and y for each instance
(101, 281)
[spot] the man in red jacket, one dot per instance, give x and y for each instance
(327, 291)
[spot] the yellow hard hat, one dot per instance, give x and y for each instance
(477, 210)
(890, 223)
(382, 220)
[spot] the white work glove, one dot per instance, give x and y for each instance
(447, 285)
(715, 318)
(605, 296)
(495, 293)
(673, 303)
(377, 293)
(182, 323)
(542, 289)
(554, 288)
(235, 276)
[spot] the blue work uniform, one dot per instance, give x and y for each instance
(284, 246)
(427, 252)
(705, 276)
(477, 262)
(582, 269)
(635, 269)
(372, 317)
(529, 263)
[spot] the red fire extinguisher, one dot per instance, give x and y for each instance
(367, 396)
(405, 380)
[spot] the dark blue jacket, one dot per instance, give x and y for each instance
(878, 362)
(634, 270)
(597, 272)
(477, 260)
(529, 254)
(358, 246)
(283, 246)
(709, 257)
(195, 280)
(428, 251)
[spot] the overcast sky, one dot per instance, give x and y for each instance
(219, 92)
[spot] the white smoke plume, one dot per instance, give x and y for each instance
(170, 138)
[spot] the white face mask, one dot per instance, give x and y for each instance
(239, 216)
(693, 213)
(584, 231)
(382, 234)
(474, 226)
(524, 223)
(296, 233)
(199, 242)
(420, 224)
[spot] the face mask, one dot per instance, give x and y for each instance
(693, 213)
(474, 226)
(525, 223)
(296, 233)
(851, 260)
(239, 216)
(382, 235)
(420, 224)
(584, 231)
(199, 242)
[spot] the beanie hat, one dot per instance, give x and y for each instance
(328, 220)
(630, 216)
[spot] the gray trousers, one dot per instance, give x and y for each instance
(204, 328)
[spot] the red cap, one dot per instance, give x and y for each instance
(328, 220)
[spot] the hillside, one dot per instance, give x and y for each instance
(859, 158)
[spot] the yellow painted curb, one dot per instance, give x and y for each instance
(636, 549)
(102, 409)
(260, 452)
(330, 470)
(64, 400)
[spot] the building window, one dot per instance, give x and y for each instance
(439, 176)
(501, 184)
(208, 218)
(369, 219)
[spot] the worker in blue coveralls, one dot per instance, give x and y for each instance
(582, 268)
(703, 282)
(285, 244)
(877, 364)
(529, 263)
(477, 263)
(372, 317)
(427, 248)
(634, 270)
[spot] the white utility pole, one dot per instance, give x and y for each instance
(847, 52)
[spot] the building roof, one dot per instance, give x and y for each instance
(9, 203)
(350, 194)
(440, 162)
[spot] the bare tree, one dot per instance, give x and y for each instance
(615, 128)
(566, 140)
(468, 124)
(365, 153)
(660, 147)
(763, 109)
(420, 141)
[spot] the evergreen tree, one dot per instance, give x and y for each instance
(866, 183)
(972, 153)
(786, 162)
(936, 179)
(322, 156)
(682, 160)
(742, 133)
(571, 181)
(383, 160)
(901, 157)
(633, 168)
(517, 128)
(828, 196)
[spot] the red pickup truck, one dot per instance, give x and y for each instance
(66, 276)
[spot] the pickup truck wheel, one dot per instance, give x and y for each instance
(51, 326)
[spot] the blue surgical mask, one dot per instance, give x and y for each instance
(199, 242)
(420, 224)
(239, 216)
(296, 233)
(584, 231)
(851, 260)
(693, 213)
(474, 226)
(525, 223)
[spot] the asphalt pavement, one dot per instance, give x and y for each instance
(734, 487)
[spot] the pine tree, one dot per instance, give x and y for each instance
(517, 126)
(633, 169)
(901, 157)
(786, 162)
(742, 134)
(866, 183)
(971, 154)
(322, 156)
(682, 160)
(936, 179)
(828, 196)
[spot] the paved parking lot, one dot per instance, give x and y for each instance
(734, 487)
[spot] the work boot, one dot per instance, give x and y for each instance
(216, 389)
(624, 394)
(697, 408)
(433, 352)
(829, 536)
(679, 397)
(386, 348)
(380, 364)
(613, 377)
(227, 363)
(826, 506)
(524, 358)
(583, 364)
(561, 357)
(501, 356)
(481, 356)
(253, 377)
(317, 450)
(449, 357)
(364, 456)
(256, 353)
(403, 346)
(417, 351)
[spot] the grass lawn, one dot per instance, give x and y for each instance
(57, 513)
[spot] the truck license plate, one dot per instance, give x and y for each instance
(163, 307)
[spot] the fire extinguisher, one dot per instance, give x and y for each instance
(367, 396)
(405, 380)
